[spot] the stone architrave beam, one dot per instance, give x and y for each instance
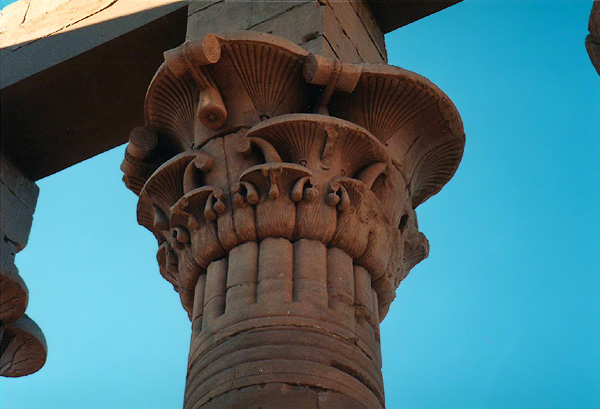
(46, 95)
(281, 186)
(74, 72)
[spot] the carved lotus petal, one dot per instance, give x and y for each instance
(321, 142)
(416, 249)
(275, 211)
(259, 76)
(268, 68)
(188, 269)
(274, 179)
(351, 234)
(196, 210)
(358, 208)
(415, 119)
(196, 206)
(170, 107)
(382, 244)
(315, 220)
(163, 188)
(354, 189)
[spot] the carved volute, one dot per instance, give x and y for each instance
(282, 188)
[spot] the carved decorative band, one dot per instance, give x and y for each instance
(296, 177)
(285, 355)
(277, 276)
(219, 84)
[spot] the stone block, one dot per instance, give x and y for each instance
(332, 29)
(18, 183)
(368, 19)
(16, 218)
(351, 25)
(232, 15)
(319, 45)
(8, 249)
(243, 264)
(338, 39)
(299, 24)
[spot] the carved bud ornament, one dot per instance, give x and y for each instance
(281, 187)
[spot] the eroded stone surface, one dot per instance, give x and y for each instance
(22, 344)
(281, 187)
(23, 348)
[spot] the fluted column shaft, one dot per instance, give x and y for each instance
(284, 314)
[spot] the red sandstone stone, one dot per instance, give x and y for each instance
(281, 186)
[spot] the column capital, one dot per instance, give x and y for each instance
(281, 183)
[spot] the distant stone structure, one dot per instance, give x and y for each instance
(279, 166)
(592, 41)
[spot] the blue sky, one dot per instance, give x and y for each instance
(505, 313)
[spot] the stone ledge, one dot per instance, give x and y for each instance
(29, 33)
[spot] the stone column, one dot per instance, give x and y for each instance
(22, 344)
(592, 41)
(281, 187)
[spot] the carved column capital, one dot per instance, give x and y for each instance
(281, 187)
(23, 346)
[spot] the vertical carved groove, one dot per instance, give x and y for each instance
(266, 73)
(287, 269)
(339, 280)
(198, 311)
(389, 104)
(362, 293)
(242, 276)
(310, 272)
(216, 286)
(275, 263)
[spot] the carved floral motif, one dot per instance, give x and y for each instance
(275, 180)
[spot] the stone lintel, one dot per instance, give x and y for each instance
(82, 88)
